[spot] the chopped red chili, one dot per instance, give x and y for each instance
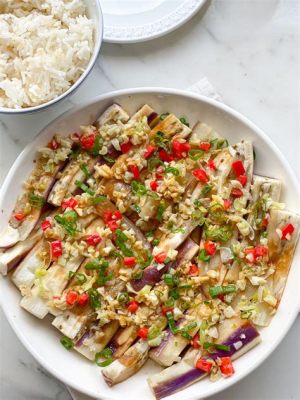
(87, 141)
(71, 297)
(205, 146)
(125, 147)
(93, 239)
(134, 169)
(143, 333)
(19, 216)
(129, 261)
(160, 258)
(153, 185)
(69, 203)
(133, 306)
(204, 365)
(45, 225)
(56, 248)
(83, 299)
(238, 168)
(236, 192)
(150, 149)
(210, 247)
(201, 175)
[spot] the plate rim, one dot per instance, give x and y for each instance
(155, 91)
(157, 30)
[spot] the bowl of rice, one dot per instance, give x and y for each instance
(47, 49)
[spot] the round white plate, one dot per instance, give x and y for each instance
(42, 340)
(130, 21)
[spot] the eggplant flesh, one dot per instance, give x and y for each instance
(127, 365)
(183, 374)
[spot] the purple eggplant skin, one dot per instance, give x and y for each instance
(152, 275)
(246, 334)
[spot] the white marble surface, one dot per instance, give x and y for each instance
(249, 50)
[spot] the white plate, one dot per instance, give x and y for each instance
(128, 21)
(42, 340)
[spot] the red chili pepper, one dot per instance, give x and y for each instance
(69, 203)
(56, 248)
(164, 310)
(221, 297)
(107, 216)
(143, 333)
(129, 261)
(19, 216)
(227, 204)
(153, 185)
(164, 156)
(53, 145)
(243, 179)
(150, 149)
(201, 175)
(210, 247)
(83, 299)
(193, 269)
(87, 141)
(133, 306)
(265, 222)
(226, 366)
(253, 253)
(238, 168)
(159, 173)
(125, 147)
(45, 225)
(117, 215)
(287, 230)
(204, 365)
(236, 192)
(211, 164)
(160, 258)
(75, 136)
(113, 225)
(134, 169)
(71, 297)
(93, 239)
(195, 342)
(180, 150)
(205, 146)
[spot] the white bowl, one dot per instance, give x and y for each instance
(95, 13)
(42, 340)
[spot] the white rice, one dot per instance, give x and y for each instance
(44, 48)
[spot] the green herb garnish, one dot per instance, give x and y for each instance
(109, 160)
(121, 238)
(67, 343)
(163, 116)
(84, 188)
(155, 242)
(196, 154)
(80, 277)
(36, 201)
(218, 233)
(185, 330)
(162, 141)
(206, 189)
(202, 256)
(123, 298)
(98, 199)
(174, 294)
(94, 298)
(172, 170)
(138, 188)
(209, 345)
(160, 212)
(171, 322)
(105, 354)
(215, 291)
(85, 170)
(136, 208)
(184, 121)
(97, 146)
(68, 221)
(153, 163)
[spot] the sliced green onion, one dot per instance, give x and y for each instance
(97, 146)
(85, 170)
(171, 322)
(153, 163)
(155, 242)
(172, 170)
(149, 234)
(196, 154)
(170, 302)
(215, 291)
(98, 199)
(123, 298)
(203, 256)
(153, 333)
(185, 286)
(163, 116)
(93, 264)
(218, 233)
(121, 238)
(160, 212)
(84, 188)
(138, 188)
(107, 355)
(67, 343)
(162, 141)
(168, 279)
(202, 331)
(198, 217)
(109, 160)
(184, 121)
(185, 330)
(94, 298)
(206, 189)
(209, 345)
(80, 277)
(68, 221)
(36, 201)
(174, 294)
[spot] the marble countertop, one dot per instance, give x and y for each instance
(249, 50)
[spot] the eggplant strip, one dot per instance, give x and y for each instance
(184, 374)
